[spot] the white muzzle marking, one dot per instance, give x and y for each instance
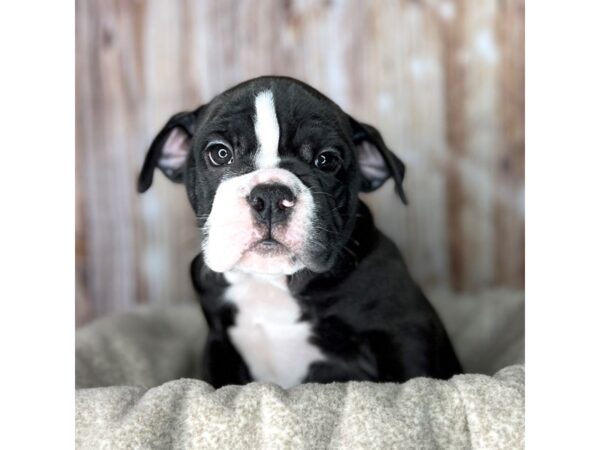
(231, 231)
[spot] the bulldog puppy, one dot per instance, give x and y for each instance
(296, 282)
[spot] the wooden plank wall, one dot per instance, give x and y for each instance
(443, 81)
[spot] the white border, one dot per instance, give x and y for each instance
(37, 225)
(562, 224)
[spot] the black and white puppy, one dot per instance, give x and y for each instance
(295, 281)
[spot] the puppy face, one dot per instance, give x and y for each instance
(272, 169)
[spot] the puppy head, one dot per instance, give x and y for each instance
(272, 169)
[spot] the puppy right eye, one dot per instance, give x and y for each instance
(220, 154)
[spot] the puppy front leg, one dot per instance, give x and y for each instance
(337, 371)
(222, 364)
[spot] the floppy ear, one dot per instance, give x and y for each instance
(169, 149)
(377, 162)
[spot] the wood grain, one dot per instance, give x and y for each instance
(443, 81)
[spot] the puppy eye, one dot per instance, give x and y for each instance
(328, 161)
(220, 154)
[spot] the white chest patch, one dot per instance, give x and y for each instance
(267, 333)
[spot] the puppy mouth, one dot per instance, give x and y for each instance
(268, 255)
(270, 247)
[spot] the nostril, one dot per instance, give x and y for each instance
(285, 203)
(257, 203)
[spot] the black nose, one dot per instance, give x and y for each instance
(271, 203)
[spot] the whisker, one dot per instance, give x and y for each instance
(350, 215)
(355, 242)
(326, 230)
(351, 252)
(322, 193)
(312, 241)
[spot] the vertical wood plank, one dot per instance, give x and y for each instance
(483, 142)
(510, 162)
(453, 42)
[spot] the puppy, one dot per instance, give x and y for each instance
(296, 282)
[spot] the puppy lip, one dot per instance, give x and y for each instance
(269, 242)
(269, 247)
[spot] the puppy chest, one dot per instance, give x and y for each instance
(267, 332)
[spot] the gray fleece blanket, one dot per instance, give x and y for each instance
(135, 391)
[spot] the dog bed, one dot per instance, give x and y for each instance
(135, 389)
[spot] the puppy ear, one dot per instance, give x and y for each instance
(169, 149)
(377, 162)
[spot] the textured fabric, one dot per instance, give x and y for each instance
(134, 356)
(146, 347)
(469, 411)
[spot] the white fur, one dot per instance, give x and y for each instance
(267, 131)
(231, 232)
(267, 333)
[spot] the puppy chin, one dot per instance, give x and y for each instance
(255, 259)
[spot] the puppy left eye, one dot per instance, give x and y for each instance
(220, 154)
(328, 161)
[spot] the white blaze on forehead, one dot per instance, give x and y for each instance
(267, 131)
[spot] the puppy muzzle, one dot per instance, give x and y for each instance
(260, 222)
